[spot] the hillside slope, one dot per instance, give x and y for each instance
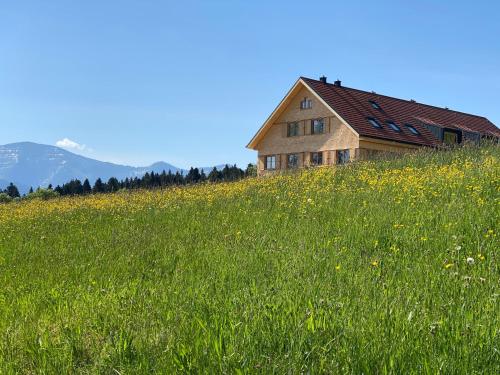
(380, 267)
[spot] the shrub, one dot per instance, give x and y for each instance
(5, 198)
(43, 194)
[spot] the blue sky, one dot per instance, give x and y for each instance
(190, 82)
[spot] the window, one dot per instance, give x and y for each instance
(271, 162)
(374, 122)
(412, 129)
(316, 158)
(393, 126)
(342, 156)
(317, 126)
(293, 161)
(293, 129)
(306, 104)
(375, 105)
(450, 137)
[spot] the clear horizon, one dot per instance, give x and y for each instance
(135, 82)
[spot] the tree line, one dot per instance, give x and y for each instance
(150, 180)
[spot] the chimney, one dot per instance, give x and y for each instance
(322, 79)
(337, 83)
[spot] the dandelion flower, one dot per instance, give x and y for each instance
(375, 263)
(448, 265)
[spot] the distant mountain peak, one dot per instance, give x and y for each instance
(29, 164)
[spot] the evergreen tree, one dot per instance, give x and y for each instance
(74, 187)
(87, 189)
(31, 190)
(178, 179)
(146, 181)
(193, 176)
(251, 170)
(113, 185)
(226, 173)
(214, 175)
(12, 191)
(126, 183)
(99, 187)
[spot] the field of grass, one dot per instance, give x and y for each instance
(376, 267)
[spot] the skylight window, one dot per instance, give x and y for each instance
(374, 123)
(412, 129)
(393, 126)
(375, 105)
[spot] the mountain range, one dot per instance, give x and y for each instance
(29, 164)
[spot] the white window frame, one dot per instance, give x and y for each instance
(270, 162)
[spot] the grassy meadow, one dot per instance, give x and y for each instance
(381, 267)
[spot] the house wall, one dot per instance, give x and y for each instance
(370, 146)
(337, 135)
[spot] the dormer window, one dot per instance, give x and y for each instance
(375, 105)
(412, 129)
(374, 123)
(393, 126)
(306, 104)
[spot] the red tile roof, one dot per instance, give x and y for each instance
(354, 107)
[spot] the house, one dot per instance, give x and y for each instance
(320, 123)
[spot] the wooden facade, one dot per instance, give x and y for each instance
(274, 140)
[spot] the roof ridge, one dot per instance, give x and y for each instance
(400, 99)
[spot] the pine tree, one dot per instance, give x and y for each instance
(98, 186)
(12, 191)
(226, 173)
(214, 175)
(113, 185)
(193, 176)
(87, 189)
(31, 190)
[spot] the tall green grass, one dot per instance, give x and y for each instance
(316, 272)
